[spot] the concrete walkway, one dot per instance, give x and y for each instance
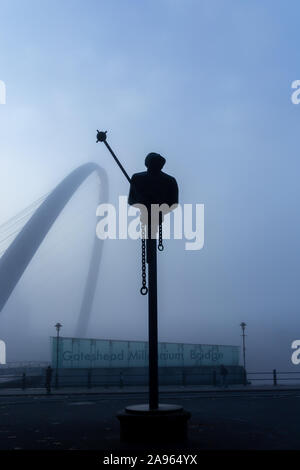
(143, 389)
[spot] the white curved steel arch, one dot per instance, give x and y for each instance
(19, 254)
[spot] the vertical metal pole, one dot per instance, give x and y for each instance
(56, 376)
(243, 326)
(244, 349)
(152, 319)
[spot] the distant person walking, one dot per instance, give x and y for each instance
(223, 373)
(48, 378)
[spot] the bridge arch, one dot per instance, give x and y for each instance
(19, 254)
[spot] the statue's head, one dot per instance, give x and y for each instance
(154, 161)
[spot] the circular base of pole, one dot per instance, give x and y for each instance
(145, 408)
(167, 423)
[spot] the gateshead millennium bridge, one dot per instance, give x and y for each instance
(21, 250)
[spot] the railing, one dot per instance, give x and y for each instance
(91, 378)
(15, 365)
(273, 377)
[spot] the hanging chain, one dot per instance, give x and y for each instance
(160, 237)
(144, 288)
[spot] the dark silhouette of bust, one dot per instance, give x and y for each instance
(153, 186)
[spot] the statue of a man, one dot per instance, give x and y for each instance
(153, 187)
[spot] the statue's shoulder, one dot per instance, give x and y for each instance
(169, 177)
(137, 176)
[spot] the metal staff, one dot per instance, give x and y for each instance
(101, 137)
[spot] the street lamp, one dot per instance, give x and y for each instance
(243, 326)
(58, 327)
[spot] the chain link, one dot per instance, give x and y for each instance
(160, 237)
(144, 288)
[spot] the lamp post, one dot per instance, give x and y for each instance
(58, 327)
(243, 326)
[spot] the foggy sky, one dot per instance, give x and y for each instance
(207, 84)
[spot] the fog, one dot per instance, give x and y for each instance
(207, 85)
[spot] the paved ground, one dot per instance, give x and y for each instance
(229, 419)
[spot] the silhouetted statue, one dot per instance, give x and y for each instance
(149, 188)
(153, 186)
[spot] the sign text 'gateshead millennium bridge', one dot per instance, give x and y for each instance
(92, 353)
